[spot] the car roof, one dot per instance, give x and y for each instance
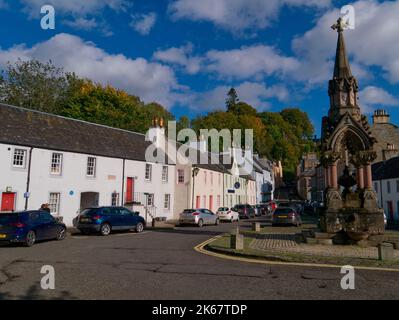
(22, 212)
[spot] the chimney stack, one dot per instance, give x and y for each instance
(381, 116)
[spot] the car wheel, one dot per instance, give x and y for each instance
(139, 227)
(105, 229)
(30, 238)
(200, 223)
(217, 222)
(62, 234)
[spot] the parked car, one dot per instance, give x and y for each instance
(199, 217)
(28, 227)
(286, 215)
(258, 210)
(245, 211)
(226, 214)
(107, 219)
(272, 205)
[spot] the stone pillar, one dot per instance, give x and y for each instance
(368, 177)
(327, 177)
(334, 176)
(360, 177)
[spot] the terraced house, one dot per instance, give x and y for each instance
(73, 164)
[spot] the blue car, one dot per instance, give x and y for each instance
(28, 227)
(107, 219)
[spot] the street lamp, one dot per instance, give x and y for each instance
(194, 174)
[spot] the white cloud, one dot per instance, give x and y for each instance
(73, 7)
(82, 23)
(374, 42)
(181, 56)
(144, 23)
(150, 81)
(78, 14)
(236, 15)
(373, 97)
(257, 61)
(254, 93)
(247, 62)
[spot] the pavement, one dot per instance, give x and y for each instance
(162, 264)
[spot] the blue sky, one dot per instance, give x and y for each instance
(185, 54)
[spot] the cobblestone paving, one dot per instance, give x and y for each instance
(274, 241)
(286, 243)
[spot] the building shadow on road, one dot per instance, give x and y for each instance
(35, 292)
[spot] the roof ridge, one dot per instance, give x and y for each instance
(67, 118)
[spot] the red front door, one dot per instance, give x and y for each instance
(129, 190)
(211, 203)
(8, 202)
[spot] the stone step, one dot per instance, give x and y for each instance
(323, 235)
(325, 242)
(311, 241)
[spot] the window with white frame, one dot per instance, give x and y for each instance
(115, 199)
(165, 173)
(211, 174)
(54, 203)
(19, 158)
(180, 176)
(91, 166)
(148, 172)
(150, 200)
(56, 163)
(205, 176)
(166, 203)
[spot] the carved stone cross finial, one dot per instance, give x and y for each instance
(340, 25)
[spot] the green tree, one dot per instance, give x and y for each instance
(183, 123)
(113, 107)
(232, 99)
(36, 85)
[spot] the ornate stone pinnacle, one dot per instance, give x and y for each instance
(340, 25)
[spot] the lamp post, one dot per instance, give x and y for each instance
(194, 174)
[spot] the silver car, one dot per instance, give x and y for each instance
(199, 217)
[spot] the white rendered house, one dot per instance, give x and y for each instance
(73, 164)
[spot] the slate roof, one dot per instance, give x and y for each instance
(20, 126)
(218, 167)
(384, 133)
(388, 169)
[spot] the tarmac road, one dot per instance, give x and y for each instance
(163, 265)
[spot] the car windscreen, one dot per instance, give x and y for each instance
(223, 209)
(283, 211)
(89, 212)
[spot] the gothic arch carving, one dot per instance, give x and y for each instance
(351, 137)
